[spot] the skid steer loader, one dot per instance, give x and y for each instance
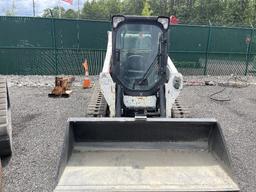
(137, 145)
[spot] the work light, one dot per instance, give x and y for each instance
(164, 21)
(116, 20)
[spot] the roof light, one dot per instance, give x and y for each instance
(164, 21)
(116, 20)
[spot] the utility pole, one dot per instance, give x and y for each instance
(78, 7)
(13, 7)
(34, 11)
(59, 8)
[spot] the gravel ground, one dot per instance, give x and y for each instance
(38, 132)
(237, 119)
(39, 123)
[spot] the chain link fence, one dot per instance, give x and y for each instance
(43, 46)
(213, 50)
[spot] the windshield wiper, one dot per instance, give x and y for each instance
(153, 64)
(145, 76)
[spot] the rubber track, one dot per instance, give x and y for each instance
(1, 173)
(5, 120)
(97, 106)
(179, 110)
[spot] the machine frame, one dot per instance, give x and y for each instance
(111, 88)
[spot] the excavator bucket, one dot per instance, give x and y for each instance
(158, 154)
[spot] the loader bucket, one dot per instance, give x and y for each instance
(158, 154)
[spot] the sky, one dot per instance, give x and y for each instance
(25, 7)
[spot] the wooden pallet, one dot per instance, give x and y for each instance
(62, 87)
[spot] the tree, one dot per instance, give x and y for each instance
(161, 7)
(251, 13)
(70, 14)
(113, 7)
(56, 12)
(101, 9)
(146, 11)
(132, 7)
(94, 10)
(236, 12)
(219, 12)
(9, 13)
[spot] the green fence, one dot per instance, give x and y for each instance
(48, 61)
(213, 50)
(32, 46)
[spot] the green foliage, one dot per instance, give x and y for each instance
(60, 12)
(146, 11)
(219, 12)
(9, 13)
(132, 7)
(101, 9)
(56, 12)
(70, 13)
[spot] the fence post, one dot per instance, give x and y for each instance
(248, 51)
(78, 33)
(207, 47)
(54, 44)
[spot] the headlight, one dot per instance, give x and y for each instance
(116, 20)
(164, 21)
(177, 82)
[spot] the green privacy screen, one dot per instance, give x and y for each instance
(45, 46)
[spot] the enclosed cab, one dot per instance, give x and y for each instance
(139, 54)
(140, 68)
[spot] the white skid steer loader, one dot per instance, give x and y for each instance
(132, 142)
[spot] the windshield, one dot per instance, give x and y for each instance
(138, 47)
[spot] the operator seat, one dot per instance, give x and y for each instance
(135, 66)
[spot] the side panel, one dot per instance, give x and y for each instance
(107, 86)
(172, 87)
